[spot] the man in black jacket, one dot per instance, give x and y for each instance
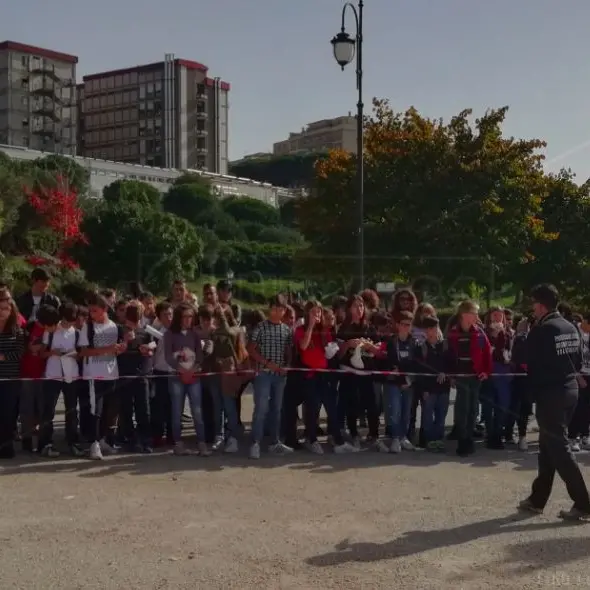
(554, 358)
(28, 303)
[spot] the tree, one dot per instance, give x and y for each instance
(192, 202)
(280, 235)
(72, 176)
(132, 192)
(126, 240)
(564, 260)
(450, 200)
(252, 210)
(288, 213)
(294, 171)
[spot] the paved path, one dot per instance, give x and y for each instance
(368, 521)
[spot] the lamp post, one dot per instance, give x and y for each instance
(345, 48)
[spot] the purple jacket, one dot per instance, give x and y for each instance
(176, 341)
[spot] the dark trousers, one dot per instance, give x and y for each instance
(466, 406)
(134, 399)
(580, 424)
(554, 412)
(86, 418)
(521, 407)
(293, 397)
(104, 405)
(51, 391)
(320, 391)
(208, 410)
(160, 406)
(416, 401)
(360, 399)
(9, 391)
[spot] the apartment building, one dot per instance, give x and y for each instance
(37, 98)
(338, 133)
(167, 114)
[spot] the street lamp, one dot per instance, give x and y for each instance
(345, 47)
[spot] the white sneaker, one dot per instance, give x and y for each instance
(586, 443)
(396, 446)
(575, 445)
(180, 450)
(280, 449)
(255, 451)
(345, 448)
(95, 452)
(407, 445)
(203, 450)
(231, 446)
(381, 447)
(50, 451)
(106, 448)
(218, 444)
(523, 445)
(314, 447)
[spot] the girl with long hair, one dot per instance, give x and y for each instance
(311, 340)
(184, 354)
(356, 386)
(496, 392)
(12, 346)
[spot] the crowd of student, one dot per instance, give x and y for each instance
(126, 366)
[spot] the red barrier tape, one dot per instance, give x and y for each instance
(289, 370)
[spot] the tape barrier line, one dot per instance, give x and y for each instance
(252, 372)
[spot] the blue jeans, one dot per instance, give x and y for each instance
(496, 396)
(224, 408)
(434, 413)
(179, 391)
(268, 401)
(399, 402)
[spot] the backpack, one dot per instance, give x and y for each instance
(91, 332)
(50, 339)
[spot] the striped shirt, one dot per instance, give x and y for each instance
(12, 347)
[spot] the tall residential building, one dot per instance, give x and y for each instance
(37, 98)
(338, 133)
(168, 114)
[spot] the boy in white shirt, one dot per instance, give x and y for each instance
(60, 342)
(101, 341)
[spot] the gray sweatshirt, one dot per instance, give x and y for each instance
(175, 341)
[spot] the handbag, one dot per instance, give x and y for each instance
(233, 373)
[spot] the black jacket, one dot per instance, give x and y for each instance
(400, 356)
(554, 355)
(25, 303)
(434, 359)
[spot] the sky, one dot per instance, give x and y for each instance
(440, 56)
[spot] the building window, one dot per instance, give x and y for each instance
(142, 92)
(24, 60)
(110, 100)
(118, 81)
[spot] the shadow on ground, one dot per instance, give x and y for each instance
(416, 542)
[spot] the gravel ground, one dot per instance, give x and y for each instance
(368, 521)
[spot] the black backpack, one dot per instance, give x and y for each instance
(91, 332)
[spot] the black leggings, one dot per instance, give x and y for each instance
(103, 407)
(360, 397)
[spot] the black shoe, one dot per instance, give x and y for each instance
(495, 444)
(575, 514)
(295, 445)
(478, 434)
(453, 434)
(27, 445)
(463, 448)
(470, 446)
(147, 450)
(528, 507)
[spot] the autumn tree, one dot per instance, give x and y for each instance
(454, 200)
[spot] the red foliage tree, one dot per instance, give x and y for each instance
(57, 207)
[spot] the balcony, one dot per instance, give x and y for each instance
(201, 149)
(43, 86)
(43, 126)
(42, 66)
(201, 132)
(46, 107)
(201, 114)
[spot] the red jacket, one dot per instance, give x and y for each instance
(481, 350)
(32, 365)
